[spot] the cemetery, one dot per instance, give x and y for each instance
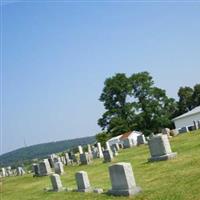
(159, 167)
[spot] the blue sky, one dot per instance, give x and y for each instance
(56, 57)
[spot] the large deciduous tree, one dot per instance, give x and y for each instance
(134, 102)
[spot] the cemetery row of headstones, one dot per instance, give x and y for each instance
(121, 174)
(8, 171)
(121, 177)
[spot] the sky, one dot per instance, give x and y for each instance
(56, 55)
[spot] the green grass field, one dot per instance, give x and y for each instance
(177, 179)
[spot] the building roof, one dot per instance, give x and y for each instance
(191, 112)
(114, 138)
(125, 135)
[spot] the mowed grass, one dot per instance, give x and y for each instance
(177, 179)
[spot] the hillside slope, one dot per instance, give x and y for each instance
(18, 156)
(177, 179)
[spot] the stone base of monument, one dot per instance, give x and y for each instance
(129, 192)
(163, 157)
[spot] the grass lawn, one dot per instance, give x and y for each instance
(177, 179)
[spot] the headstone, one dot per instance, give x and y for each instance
(108, 156)
(67, 159)
(114, 151)
(108, 146)
(195, 125)
(89, 149)
(36, 169)
(122, 180)
(62, 158)
(80, 149)
(166, 131)
(121, 146)
(82, 181)
(116, 145)
(51, 160)
(56, 182)
(141, 139)
(160, 149)
(44, 168)
(59, 168)
(94, 153)
(8, 171)
(127, 143)
(198, 124)
(20, 171)
(3, 172)
(56, 159)
(85, 158)
(100, 153)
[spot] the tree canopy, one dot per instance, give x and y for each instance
(134, 103)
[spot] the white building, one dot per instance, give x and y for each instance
(132, 136)
(186, 120)
(114, 140)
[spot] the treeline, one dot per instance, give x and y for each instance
(26, 154)
(135, 103)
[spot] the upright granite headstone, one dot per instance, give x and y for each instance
(44, 168)
(108, 146)
(67, 159)
(127, 143)
(8, 171)
(198, 122)
(36, 169)
(100, 153)
(195, 125)
(122, 180)
(108, 155)
(3, 170)
(141, 139)
(59, 168)
(80, 149)
(114, 150)
(82, 181)
(160, 149)
(85, 159)
(20, 171)
(56, 183)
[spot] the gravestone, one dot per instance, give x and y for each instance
(100, 153)
(82, 181)
(160, 149)
(44, 168)
(116, 145)
(127, 143)
(195, 125)
(68, 161)
(89, 149)
(51, 160)
(80, 149)
(20, 171)
(8, 171)
(94, 153)
(3, 170)
(108, 155)
(59, 168)
(108, 146)
(198, 124)
(122, 180)
(56, 183)
(85, 159)
(141, 139)
(166, 131)
(114, 151)
(36, 169)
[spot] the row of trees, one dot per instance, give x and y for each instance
(135, 103)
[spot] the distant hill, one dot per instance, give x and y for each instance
(26, 154)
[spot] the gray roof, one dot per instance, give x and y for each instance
(191, 112)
